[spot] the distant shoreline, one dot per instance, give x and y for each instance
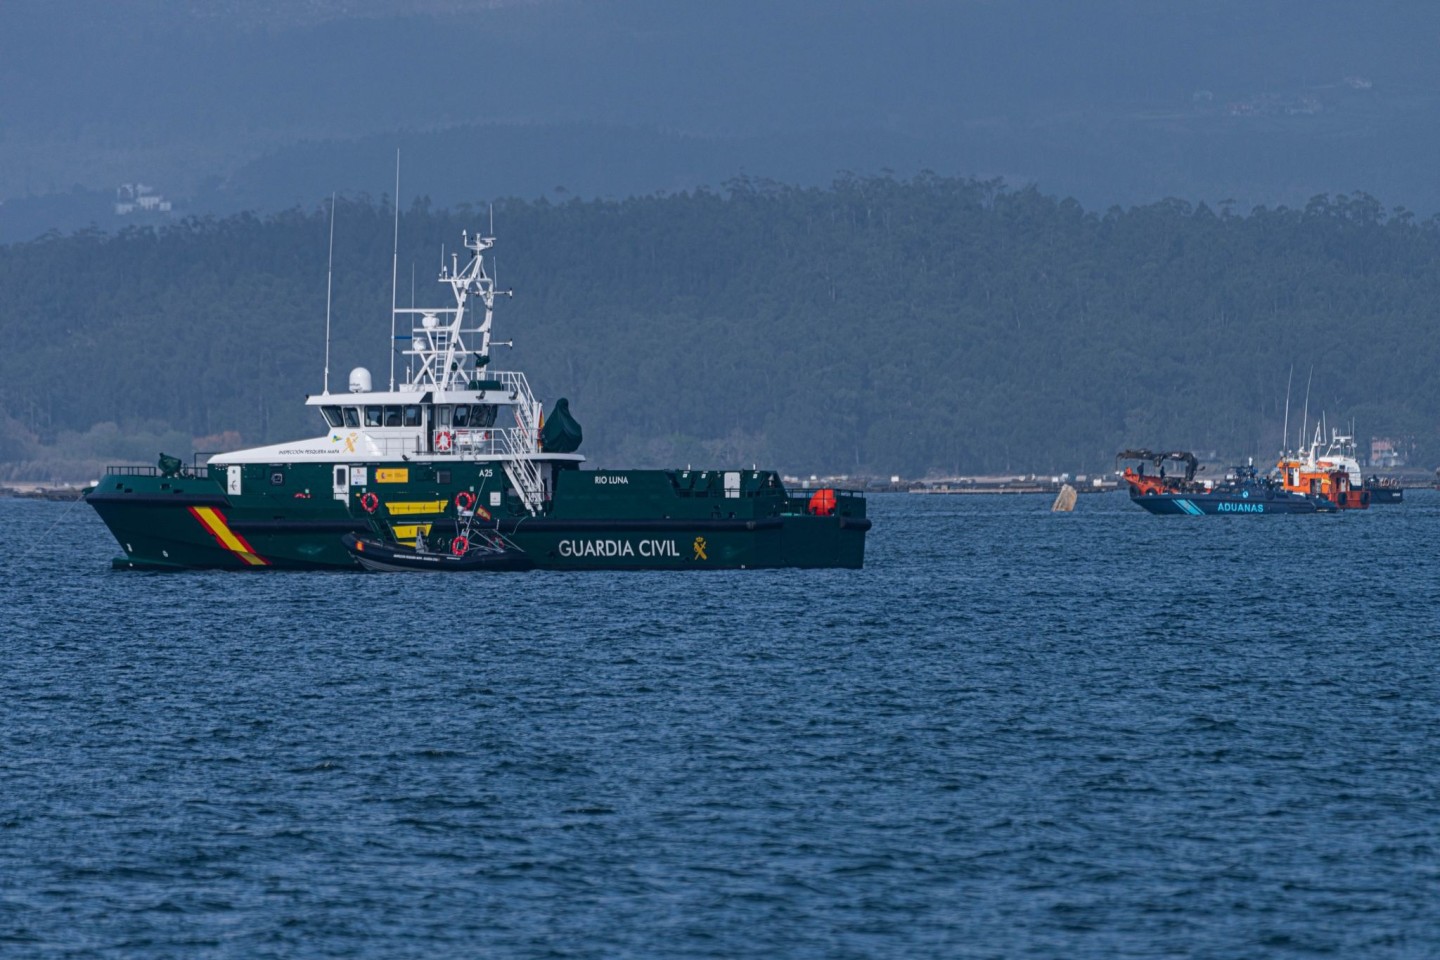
(43, 491)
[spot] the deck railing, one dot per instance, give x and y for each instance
(200, 472)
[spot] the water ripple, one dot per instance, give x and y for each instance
(1013, 734)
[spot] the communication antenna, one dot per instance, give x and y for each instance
(329, 282)
(395, 268)
(1285, 432)
(410, 363)
(1305, 421)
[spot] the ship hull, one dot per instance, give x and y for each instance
(1213, 504)
(632, 520)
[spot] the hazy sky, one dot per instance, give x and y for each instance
(1111, 100)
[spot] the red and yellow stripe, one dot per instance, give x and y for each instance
(211, 520)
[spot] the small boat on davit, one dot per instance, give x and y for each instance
(472, 542)
(484, 553)
(1176, 491)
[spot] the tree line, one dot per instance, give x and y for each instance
(921, 326)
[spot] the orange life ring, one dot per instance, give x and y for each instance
(459, 545)
(464, 500)
(443, 439)
(370, 502)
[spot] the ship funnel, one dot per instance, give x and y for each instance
(360, 380)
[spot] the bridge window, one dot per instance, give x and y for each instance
(352, 417)
(392, 416)
(462, 415)
(412, 416)
(333, 416)
(373, 416)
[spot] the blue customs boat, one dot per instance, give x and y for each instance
(1242, 491)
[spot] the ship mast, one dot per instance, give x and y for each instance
(439, 340)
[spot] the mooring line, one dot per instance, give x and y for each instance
(44, 537)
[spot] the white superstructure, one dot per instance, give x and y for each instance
(451, 405)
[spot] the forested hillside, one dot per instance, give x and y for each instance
(927, 326)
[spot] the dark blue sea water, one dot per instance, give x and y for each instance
(1013, 734)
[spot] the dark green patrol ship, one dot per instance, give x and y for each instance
(459, 468)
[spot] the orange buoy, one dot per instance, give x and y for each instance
(822, 502)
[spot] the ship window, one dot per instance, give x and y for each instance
(483, 415)
(442, 415)
(277, 478)
(412, 416)
(442, 476)
(462, 415)
(333, 416)
(392, 416)
(352, 416)
(372, 416)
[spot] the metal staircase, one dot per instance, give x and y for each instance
(523, 441)
(525, 478)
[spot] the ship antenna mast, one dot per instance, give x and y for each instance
(329, 283)
(394, 268)
(410, 364)
(1285, 432)
(1305, 421)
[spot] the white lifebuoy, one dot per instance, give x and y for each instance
(443, 440)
